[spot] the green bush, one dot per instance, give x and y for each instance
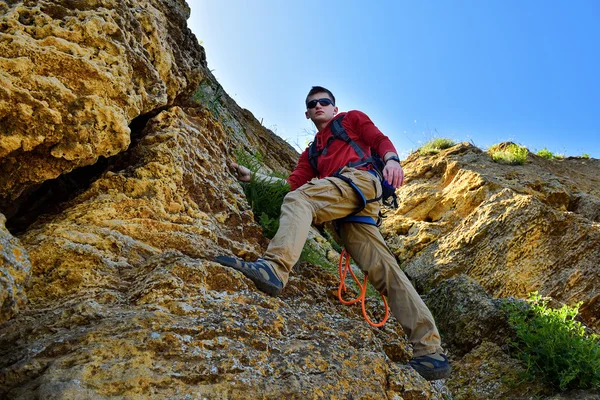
(265, 197)
(311, 254)
(436, 145)
(208, 97)
(545, 153)
(511, 154)
(553, 345)
(585, 155)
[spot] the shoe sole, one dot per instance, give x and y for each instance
(433, 374)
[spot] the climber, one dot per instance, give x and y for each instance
(337, 181)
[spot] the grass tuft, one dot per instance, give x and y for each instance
(436, 145)
(545, 153)
(510, 154)
(209, 97)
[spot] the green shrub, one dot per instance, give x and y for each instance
(545, 153)
(331, 240)
(585, 155)
(511, 154)
(559, 156)
(436, 145)
(265, 197)
(310, 254)
(208, 97)
(554, 346)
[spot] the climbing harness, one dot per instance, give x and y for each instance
(339, 132)
(344, 268)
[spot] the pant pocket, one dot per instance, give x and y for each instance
(321, 193)
(368, 183)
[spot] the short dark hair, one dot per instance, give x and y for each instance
(320, 89)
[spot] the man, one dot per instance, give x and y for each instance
(333, 191)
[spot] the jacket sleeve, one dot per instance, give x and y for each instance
(371, 135)
(302, 173)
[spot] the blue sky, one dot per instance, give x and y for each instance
(480, 71)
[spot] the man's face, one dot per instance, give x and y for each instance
(320, 113)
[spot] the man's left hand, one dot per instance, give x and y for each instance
(393, 173)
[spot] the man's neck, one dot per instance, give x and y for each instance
(322, 126)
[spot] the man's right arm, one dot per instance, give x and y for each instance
(299, 176)
(245, 175)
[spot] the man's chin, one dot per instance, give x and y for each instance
(322, 118)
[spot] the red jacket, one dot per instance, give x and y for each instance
(360, 128)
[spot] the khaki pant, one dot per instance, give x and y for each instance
(322, 200)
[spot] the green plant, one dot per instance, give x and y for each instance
(553, 345)
(511, 154)
(559, 156)
(545, 153)
(206, 96)
(253, 162)
(311, 255)
(264, 196)
(436, 145)
(329, 237)
(585, 155)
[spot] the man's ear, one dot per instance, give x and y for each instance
(335, 110)
(306, 113)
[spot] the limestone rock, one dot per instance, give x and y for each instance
(514, 229)
(487, 373)
(73, 75)
(466, 315)
(172, 190)
(405, 383)
(15, 270)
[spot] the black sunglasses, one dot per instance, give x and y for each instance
(323, 102)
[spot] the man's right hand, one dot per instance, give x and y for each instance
(243, 174)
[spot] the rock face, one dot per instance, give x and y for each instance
(514, 229)
(123, 298)
(15, 270)
(467, 315)
(75, 74)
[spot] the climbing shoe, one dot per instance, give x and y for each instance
(260, 272)
(432, 366)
